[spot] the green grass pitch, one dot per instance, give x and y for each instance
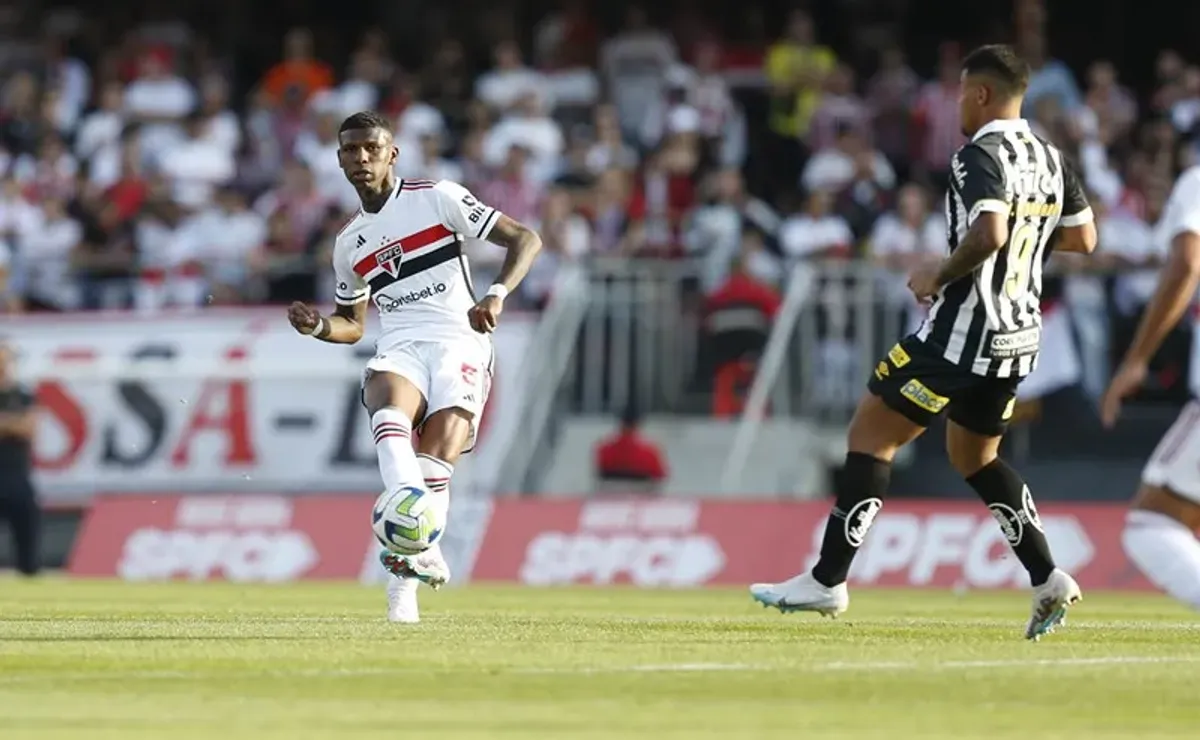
(114, 660)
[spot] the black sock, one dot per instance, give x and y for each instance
(1002, 489)
(864, 484)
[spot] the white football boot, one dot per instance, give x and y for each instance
(428, 567)
(402, 600)
(803, 593)
(1050, 602)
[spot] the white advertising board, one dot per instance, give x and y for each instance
(221, 400)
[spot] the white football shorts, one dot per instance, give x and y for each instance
(1175, 463)
(450, 374)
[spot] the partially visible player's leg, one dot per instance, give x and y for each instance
(393, 402)
(897, 409)
(977, 423)
(459, 383)
(393, 397)
(1163, 545)
(1160, 528)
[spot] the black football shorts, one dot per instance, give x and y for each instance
(916, 381)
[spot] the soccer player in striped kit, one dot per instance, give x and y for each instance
(1161, 526)
(432, 367)
(1010, 192)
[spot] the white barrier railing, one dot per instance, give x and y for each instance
(553, 346)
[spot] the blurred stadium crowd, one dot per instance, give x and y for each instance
(140, 171)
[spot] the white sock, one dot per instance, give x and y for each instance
(393, 443)
(437, 474)
(1166, 552)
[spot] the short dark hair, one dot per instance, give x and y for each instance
(364, 120)
(1002, 64)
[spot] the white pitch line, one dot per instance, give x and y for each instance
(325, 673)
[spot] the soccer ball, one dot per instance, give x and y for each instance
(406, 520)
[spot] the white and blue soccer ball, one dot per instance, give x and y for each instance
(406, 520)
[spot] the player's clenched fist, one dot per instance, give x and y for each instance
(485, 314)
(303, 319)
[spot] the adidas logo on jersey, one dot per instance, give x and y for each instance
(389, 303)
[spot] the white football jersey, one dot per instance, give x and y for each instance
(408, 260)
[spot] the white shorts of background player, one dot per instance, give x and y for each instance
(1175, 463)
(1164, 549)
(450, 374)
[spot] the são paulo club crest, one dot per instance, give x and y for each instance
(390, 257)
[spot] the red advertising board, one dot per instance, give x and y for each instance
(683, 543)
(665, 543)
(247, 538)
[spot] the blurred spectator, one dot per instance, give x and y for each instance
(904, 239)
(18, 216)
(890, 97)
(46, 253)
(816, 232)
(634, 63)
(509, 79)
(628, 461)
(529, 126)
(282, 262)
(222, 127)
(566, 239)
(429, 162)
(740, 310)
(1169, 72)
(295, 200)
(1131, 245)
(610, 149)
(104, 258)
(512, 191)
(49, 174)
(937, 130)
(230, 234)
(172, 273)
(716, 227)
(20, 120)
(737, 324)
(1049, 77)
(566, 39)
(101, 128)
(662, 196)
(796, 68)
(316, 147)
(1185, 112)
(68, 77)
(197, 165)
(299, 73)
(840, 108)
(609, 212)
(360, 90)
(158, 99)
(841, 164)
(1107, 101)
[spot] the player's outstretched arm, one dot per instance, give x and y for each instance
(344, 326)
(1176, 287)
(523, 245)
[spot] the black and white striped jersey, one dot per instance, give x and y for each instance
(989, 323)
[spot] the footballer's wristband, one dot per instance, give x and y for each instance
(497, 290)
(319, 329)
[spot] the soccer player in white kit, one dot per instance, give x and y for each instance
(1160, 528)
(432, 369)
